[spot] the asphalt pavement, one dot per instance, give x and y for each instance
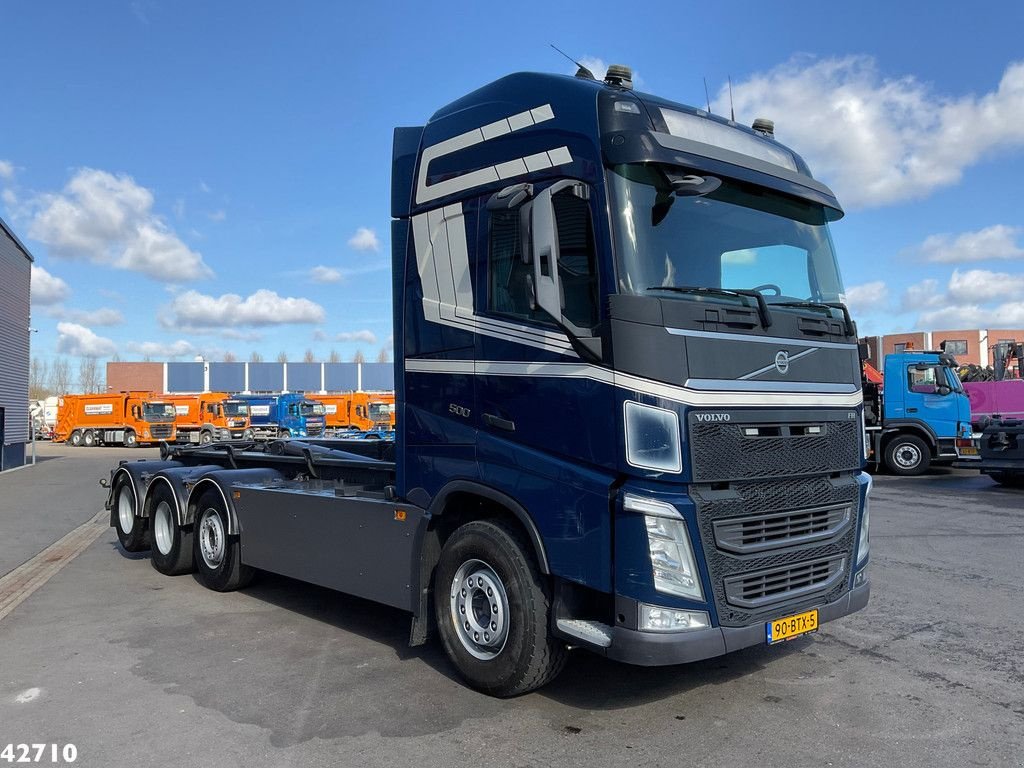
(135, 668)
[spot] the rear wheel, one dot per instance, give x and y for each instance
(171, 551)
(131, 529)
(492, 606)
(907, 455)
(218, 555)
(89, 438)
(76, 438)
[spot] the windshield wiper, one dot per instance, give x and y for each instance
(762, 305)
(848, 321)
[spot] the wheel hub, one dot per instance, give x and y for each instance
(479, 609)
(907, 456)
(125, 509)
(211, 539)
(163, 532)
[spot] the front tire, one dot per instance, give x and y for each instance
(205, 438)
(907, 455)
(131, 440)
(218, 554)
(131, 529)
(171, 552)
(493, 607)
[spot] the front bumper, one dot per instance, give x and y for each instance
(654, 649)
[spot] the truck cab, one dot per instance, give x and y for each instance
(284, 415)
(209, 416)
(919, 415)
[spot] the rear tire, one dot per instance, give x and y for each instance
(218, 554)
(907, 455)
(132, 530)
(76, 438)
(171, 551)
(89, 438)
(487, 582)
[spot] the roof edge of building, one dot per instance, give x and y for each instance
(21, 246)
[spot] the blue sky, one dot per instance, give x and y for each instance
(211, 178)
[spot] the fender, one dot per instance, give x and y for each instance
(140, 474)
(492, 494)
(178, 480)
(222, 480)
(912, 425)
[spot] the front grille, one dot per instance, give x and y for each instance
(727, 450)
(761, 532)
(764, 588)
(766, 520)
(161, 431)
(313, 430)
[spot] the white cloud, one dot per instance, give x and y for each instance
(178, 348)
(46, 288)
(193, 310)
(79, 341)
(323, 274)
(9, 197)
(996, 242)
(922, 295)
(218, 215)
(880, 140)
(981, 285)
(1006, 315)
(6, 169)
(109, 220)
(367, 337)
(364, 240)
(89, 317)
(868, 297)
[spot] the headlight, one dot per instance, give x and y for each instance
(863, 541)
(652, 438)
(668, 544)
(145, 433)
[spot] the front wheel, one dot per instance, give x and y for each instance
(492, 606)
(218, 554)
(907, 455)
(205, 438)
(131, 440)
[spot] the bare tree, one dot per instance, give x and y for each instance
(255, 357)
(384, 356)
(229, 357)
(359, 357)
(116, 358)
(282, 357)
(334, 357)
(88, 374)
(60, 376)
(38, 380)
(309, 357)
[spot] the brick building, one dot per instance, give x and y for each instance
(976, 346)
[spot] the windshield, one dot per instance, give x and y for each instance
(313, 409)
(735, 237)
(157, 412)
(235, 408)
(381, 411)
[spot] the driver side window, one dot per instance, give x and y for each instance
(509, 276)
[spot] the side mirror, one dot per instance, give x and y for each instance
(942, 389)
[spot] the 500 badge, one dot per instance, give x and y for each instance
(39, 753)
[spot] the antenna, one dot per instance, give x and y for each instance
(732, 109)
(706, 96)
(582, 72)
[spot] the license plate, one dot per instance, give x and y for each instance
(789, 627)
(968, 451)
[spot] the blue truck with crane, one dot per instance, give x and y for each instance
(284, 415)
(629, 406)
(917, 413)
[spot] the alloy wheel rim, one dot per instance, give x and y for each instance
(479, 609)
(162, 531)
(125, 509)
(211, 539)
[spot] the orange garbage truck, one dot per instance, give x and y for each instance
(358, 410)
(209, 416)
(114, 418)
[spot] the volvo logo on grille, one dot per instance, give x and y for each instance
(713, 417)
(782, 362)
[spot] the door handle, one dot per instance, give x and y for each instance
(499, 423)
(911, 410)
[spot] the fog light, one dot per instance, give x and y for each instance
(654, 618)
(864, 540)
(861, 578)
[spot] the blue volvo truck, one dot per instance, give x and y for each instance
(283, 416)
(628, 397)
(919, 415)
